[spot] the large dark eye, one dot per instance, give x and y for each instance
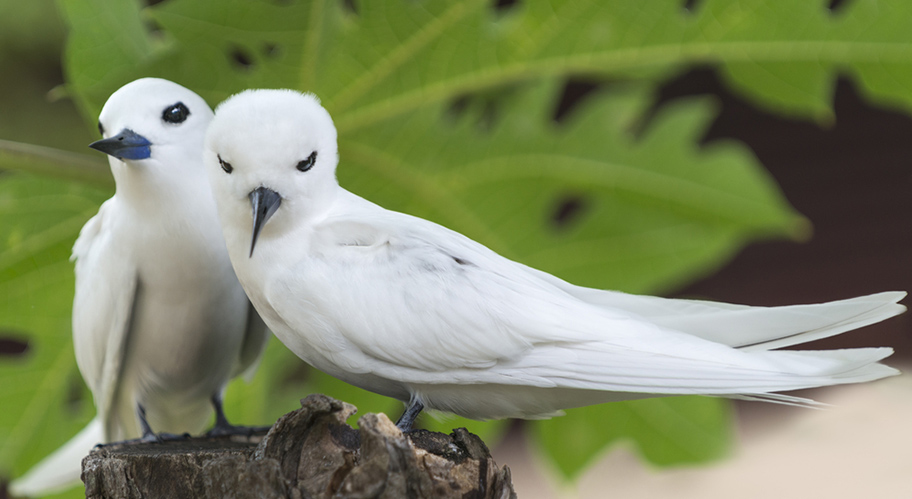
(175, 113)
(225, 165)
(308, 163)
(101, 129)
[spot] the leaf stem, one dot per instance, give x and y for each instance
(54, 163)
(623, 59)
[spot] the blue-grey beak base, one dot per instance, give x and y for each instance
(125, 145)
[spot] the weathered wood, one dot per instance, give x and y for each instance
(308, 453)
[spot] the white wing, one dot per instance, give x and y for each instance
(106, 290)
(425, 305)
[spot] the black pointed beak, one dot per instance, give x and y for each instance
(125, 145)
(265, 202)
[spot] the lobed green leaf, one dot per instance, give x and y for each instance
(445, 110)
(42, 390)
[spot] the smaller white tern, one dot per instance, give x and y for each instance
(409, 309)
(160, 322)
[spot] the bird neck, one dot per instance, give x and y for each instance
(149, 190)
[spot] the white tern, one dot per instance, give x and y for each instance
(409, 309)
(160, 322)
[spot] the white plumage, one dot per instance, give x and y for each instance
(406, 308)
(159, 319)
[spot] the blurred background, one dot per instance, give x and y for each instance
(845, 167)
(853, 180)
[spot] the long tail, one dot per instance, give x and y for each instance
(60, 470)
(742, 326)
(842, 316)
(768, 328)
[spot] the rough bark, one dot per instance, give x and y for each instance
(308, 453)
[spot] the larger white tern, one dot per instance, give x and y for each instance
(160, 322)
(406, 308)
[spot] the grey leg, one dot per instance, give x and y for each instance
(409, 416)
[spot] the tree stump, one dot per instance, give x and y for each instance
(308, 453)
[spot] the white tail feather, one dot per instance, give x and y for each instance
(60, 470)
(872, 316)
(743, 326)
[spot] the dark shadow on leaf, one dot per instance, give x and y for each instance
(153, 27)
(700, 80)
(482, 108)
(458, 107)
(573, 95)
(837, 6)
(489, 115)
(76, 394)
(350, 6)
(11, 346)
(240, 58)
(505, 5)
(295, 376)
(690, 6)
(271, 50)
(568, 211)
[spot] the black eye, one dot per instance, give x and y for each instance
(308, 163)
(225, 165)
(100, 128)
(176, 113)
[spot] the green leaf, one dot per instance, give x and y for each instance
(42, 390)
(107, 43)
(791, 52)
(652, 208)
(54, 162)
(30, 32)
(652, 211)
(445, 111)
(262, 400)
(393, 57)
(666, 431)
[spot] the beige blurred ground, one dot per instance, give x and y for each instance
(860, 448)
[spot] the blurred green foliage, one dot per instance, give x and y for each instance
(445, 110)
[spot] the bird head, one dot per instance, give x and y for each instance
(272, 154)
(155, 119)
